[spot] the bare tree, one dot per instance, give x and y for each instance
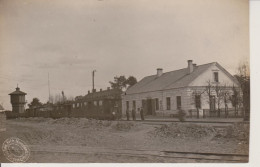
(226, 98)
(57, 98)
(196, 95)
(234, 97)
(70, 98)
(243, 77)
(51, 99)
(208, 89)
(219, 96)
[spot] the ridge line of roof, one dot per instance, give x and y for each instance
(181, 69)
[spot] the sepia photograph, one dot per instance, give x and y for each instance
(109, 81)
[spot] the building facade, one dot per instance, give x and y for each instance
(99, 102)
(204, 87)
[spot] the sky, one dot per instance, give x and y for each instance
(69, 39)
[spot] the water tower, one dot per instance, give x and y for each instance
(18, 100)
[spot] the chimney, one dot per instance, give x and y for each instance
(108, 88)
(159, 72)
(100, 90)
(88, 92)
(194, 65)
(94, 90)
(190, 66)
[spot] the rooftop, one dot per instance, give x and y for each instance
(17, 92)
(170, 80)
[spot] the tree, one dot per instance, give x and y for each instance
(35, 103)
(226, 98)
(196, 94)
(119, 82)
(219, 96)
(122, 83)
(243, 77)
(131, 81)
(60, 98)
(209, 88)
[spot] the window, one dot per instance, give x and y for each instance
(127, 104)
(168, 103)
(73, 105)
(95, 103)
(156, 104)
(178, 102)
(197, 101)
(134, 105)
(216, 76)
(100, 102)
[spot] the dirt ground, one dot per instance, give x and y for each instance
(91, 136)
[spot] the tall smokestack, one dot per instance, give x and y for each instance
(190, 66)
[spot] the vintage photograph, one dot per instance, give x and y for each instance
(110, 81)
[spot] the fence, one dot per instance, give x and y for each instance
(230, 113)
(61, 114)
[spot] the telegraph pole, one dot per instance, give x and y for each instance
(93, 78)
(49, 88)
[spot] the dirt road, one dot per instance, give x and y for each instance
(47, 139)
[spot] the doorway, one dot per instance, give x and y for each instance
(149, 106)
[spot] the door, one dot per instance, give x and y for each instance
(144, 106)
(149, 106)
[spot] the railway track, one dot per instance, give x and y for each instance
(185, 156)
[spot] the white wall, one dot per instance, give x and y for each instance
(209, 75)
(187, 95)
(161, 95)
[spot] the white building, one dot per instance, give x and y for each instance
(165, 93)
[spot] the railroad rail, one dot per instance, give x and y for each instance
(165, 154)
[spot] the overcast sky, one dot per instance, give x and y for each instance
(70, 38)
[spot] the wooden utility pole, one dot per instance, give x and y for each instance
(49, 88)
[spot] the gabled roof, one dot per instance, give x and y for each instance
(172, 79)
(17, 92)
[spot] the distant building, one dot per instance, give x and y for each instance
(165, 93)
(18, 101)
(104, 101)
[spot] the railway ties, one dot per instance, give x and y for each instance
(167, 155)
(239, 158)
